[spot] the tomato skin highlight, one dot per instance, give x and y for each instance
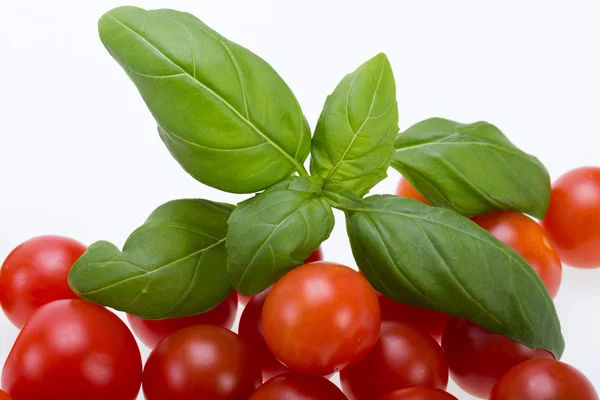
(5, 396)
(36, 273)
(320, 318)
(201, 362)
(573, 219)
(402, 358)
(73, 350)
(420, 318)
(477, 358)
(150, 332)
(419, 393)
(544, 380)
(294, 386)
(250, 331)
(405, 189)
(528, 239)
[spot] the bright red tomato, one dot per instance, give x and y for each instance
(426, 320)
(295, 386)
(405, 189)
(402, 358)
(320, 318)
(419, 393)
(201, 362)
(4, 396)
(73, 350)
(250, 330)
(528, 239)
(573, 220)
(150, 332)
(35, 273)
(478, 358)
(544, 380)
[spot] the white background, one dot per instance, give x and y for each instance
(80, 156)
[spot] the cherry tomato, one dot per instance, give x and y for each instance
(250, 330)
(315, 256)
(405, 189)
(544, 380)
(421, 318)
(573, 219)
(73, 350)
(150, 332)
(320, 318)
(201, 362)
(4, 396)
(478, 358)
(35, 273)
(295, 386)
(402, 358)
(528, 239)
(419, 393)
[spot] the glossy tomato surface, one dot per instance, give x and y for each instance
(320, 318)
(294, 386)
(528, 239)
(544, 380)
(73, 350)
(35, 273)
(573, 219)
(402, 358)
(250, 331)
(150, 332)
(478, 358)
(419, 393)
(405, 189)
(426, 320)
(4, 395)
(201, 362)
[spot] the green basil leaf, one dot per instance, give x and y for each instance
(341, 197)
(353, 141)
(433, 257)
(273, 232)
(175, 265)
(223, 112)
(471, 168)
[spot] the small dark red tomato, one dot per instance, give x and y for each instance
(201, 362)
(36, 273)
(421, 318)
(528, 239)
(405, 189)
(315, 256)
(250, 330)
(73, 350)
(150, 332)
(320, 318)
(419, 393)
(402, 358)
(4, 396)
(478, 358)
(295, 386)
(573, 219)
(544, 380)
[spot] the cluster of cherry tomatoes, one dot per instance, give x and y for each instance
(319, 319)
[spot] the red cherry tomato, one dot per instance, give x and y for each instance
(73, 350)
(320, 318)
(544, 380)
(201, 362)
(295, 386)
(4, 396)
(35, 273)
(402, 358)
(421, 318)
(250, 330)
(405, 189)
(419, 393)
(150, 332)
(573, 219)
(528, 239)
(478, 358)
